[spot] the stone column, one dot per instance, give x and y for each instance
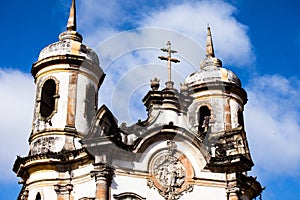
(71, 109)
(227, 113)
(64, 191)
(103, 177)
(233, 193)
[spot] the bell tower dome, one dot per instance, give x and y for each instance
(219, 98)
(67, 79)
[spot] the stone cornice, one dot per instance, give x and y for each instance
(223, 86)
(22, 164)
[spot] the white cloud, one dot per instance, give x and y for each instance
(17, 95)
(188, 18)
(182, 22)
(273, 123)
(230, 36)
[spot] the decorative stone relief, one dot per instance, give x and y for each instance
(169, 174)
(46, 144)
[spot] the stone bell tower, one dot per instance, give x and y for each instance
(217, 117)
(219, 98)
(67, 79)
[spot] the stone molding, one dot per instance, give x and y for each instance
(63, 189)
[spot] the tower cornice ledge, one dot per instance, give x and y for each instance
(223, 86)
(58, 59)
(22, 164)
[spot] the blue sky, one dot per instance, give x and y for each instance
(258, 40)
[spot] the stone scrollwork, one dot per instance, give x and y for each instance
(169, 174)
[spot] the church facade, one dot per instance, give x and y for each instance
(193, 144)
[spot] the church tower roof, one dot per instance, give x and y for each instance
(69, 45)
(211, 69)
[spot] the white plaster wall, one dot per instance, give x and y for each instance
(42, 175)
(211, 176)
(139, 186)
(83, 170)
(234, 107)
(167, 116)
(81, 122)
(47, 193)
(217, 112)
(86, 189)
(205, 193)
(80, 119)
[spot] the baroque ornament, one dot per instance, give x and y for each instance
(169, 174)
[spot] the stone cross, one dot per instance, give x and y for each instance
(169, 58)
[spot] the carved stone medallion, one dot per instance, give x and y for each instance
(169, 174)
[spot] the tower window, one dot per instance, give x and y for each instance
(47, 103)
(90, 105)
(38, 196)
(204, 118)
(240, 118)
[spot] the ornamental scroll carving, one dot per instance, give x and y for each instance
(169, 174)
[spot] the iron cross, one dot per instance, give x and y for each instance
(169, 58)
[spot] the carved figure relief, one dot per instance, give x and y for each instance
(169, 174)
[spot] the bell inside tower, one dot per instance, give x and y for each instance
(204, 118)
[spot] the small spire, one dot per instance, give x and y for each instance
(71, 26)
(209, 44)
(71, 32)
(210, 59)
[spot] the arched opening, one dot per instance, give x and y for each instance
(128, 196)
(240, 118)
(38, 197)
(203, 119)
(90, 105)
(47, 103)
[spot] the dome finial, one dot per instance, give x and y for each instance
(71, 32)
(210, 59)
(209, 44)
(71, 26)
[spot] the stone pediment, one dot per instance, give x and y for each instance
(104, 124)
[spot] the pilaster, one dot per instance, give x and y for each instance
(64, 192)
(233, 193)
(103, 177)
